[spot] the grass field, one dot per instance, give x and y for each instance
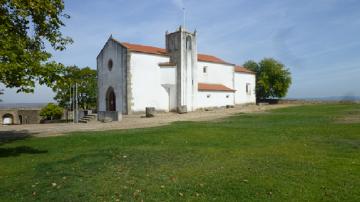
(306, 153)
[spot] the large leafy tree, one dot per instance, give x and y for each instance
(86, 81)
(26, 26)
(273, 79)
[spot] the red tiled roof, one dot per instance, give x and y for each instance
(213, 87)
(210, 58)
(160, 51)
(167, 64)
(243, 70)
(145, 49)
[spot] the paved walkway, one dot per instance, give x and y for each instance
(129, 121)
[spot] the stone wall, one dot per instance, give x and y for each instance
(21, 116)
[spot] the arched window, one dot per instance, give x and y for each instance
(188, 42)
(110, 64)
(110, 100)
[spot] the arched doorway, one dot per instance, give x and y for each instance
(20, 119)
(8, 119)
(110, 100)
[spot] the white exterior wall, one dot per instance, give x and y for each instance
(216, 74)
(216, 99)
(146, 85)
(168, 81)
(168, 75)
(113, 78)
(241, 96)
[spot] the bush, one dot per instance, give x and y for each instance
(51, 112)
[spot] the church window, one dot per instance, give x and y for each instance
(248, 88)
(205, 69)
(208, 95)
(110, 64)
(227, 96)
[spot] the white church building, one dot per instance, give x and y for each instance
(132, 77)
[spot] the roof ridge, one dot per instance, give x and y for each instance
(162, 51)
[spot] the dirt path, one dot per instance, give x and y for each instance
(130, 121)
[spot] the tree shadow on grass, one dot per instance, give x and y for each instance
(7, 137)
(14, 135)
(17, 151)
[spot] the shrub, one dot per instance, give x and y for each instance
(51, 112)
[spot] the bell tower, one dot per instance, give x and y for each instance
(182, 49)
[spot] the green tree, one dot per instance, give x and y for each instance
(25, 27)
(51, 112)
(272, 78)
(86, 81)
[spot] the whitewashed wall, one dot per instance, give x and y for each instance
(168, 75)
(146, 82)
(113, 78)
(168, 81)
(216, 99)
(241, 97)
(216, 74)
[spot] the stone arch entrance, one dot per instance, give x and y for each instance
(110, 100)
(8, 119)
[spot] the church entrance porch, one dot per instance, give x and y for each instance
(110, 100)
(111, 112)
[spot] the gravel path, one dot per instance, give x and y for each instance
(129, 121)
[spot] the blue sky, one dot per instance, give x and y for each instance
(318, 40)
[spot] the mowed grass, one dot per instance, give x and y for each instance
(295, 154)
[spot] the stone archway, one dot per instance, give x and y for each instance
(8, 119)
(110, 100)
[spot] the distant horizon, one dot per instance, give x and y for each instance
(316, 40)
(327, 98)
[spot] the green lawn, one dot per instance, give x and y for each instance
(301, 153)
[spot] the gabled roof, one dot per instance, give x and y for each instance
(241, 69)
(161, 51)
(144, 49)
(213, 87)
(210, 58)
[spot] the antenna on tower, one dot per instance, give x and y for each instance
(184, 16)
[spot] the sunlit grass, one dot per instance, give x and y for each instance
(293, 154)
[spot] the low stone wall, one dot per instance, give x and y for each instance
(21, 116)
(107, 116)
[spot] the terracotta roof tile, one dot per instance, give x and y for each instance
(167, 64)
(210, 58)
(145, 49)
(213, 87)
(160, 51)
(243, 70)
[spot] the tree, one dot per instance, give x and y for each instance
(51, 112)
(25, 28)
(86, 81)
(272, 78)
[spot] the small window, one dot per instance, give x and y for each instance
(248, 88)
(208, 95)
(205, 69)
(227, 96)
(110, 64)
(188, 42)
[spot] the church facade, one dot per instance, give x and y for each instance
(132, 77)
